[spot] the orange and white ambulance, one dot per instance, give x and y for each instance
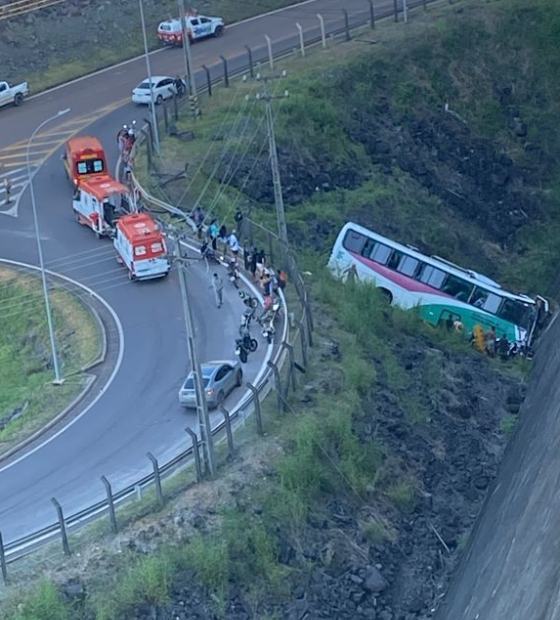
(141, 247)
(99, 202)
(84, 158)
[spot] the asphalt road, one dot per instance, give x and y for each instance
(139, 411)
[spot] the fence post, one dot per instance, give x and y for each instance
(63, 533)
(269, 45)
(301, 40)
(196, 452)
(425, 4)
(250, 58)
(303, 338)
(292, 373)
(3, 561)
(270, 250)
(258, 415)
(405, 11)
(372, 14)
(157, 478)
(323, 34)
(396, 10)
(277, 381)
(111, 504)
(226, 73)
(346, 25)
(229, 434)
(208, 80)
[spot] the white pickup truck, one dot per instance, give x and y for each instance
(10, 93)
(170, 32)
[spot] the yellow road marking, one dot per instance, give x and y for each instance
(22, 155)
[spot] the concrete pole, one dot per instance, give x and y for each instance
(189, 72)
(301, 41)
(149, 69)
(201, 404)
(57, 378)
(278, 198)
(405, 10)
(269, 46)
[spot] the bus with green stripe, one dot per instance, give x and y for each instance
(441, 291)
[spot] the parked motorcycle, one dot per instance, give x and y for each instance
(249, 300)
(245, 345)
(268, 317)
(233, 272)
(209, 254)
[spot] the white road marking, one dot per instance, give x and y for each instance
(19, 180)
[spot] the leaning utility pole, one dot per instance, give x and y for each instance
(189, 70)
(277, 183)
(201, 404)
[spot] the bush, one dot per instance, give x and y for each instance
(46, 604)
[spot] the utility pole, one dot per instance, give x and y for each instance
(149, 69)
(201, 404)
(189, 70)
(276, 181)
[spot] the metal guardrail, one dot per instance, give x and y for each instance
(26, 544)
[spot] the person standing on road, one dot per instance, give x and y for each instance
(8, 190)
(218, 286)
(233, 243)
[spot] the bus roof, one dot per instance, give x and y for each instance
(139, 228)
(101, 187)
(84, 143)
(440, 263)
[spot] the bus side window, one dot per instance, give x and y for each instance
(457, 287)
(492, 303)
(408, 265)
(478, 297)
(369, 248)
(381, 253)
(432, 276)
(395, 259)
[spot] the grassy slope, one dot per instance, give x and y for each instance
(25, 355)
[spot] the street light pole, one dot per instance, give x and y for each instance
(189, 72)
(149, 69)
(201, 404)
(57, 378)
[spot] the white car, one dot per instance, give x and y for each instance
(163, 87)
(170, 32)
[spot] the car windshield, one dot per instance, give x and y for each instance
(165, 27)
(189, 383)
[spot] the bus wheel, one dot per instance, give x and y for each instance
(387, 295)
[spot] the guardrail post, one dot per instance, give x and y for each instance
(62, 524)
(250, 61)
(176, 107)
(292, 373)
(301, 40)
(323, 34)
(111, 504)
(3, 561)
(157, 478)
(372, 14)
(278, 382)
(226, 73)
(269, 46)
(196, 452)
(208, 79)
(229, 434)
(346, 25)
(396, 10)
(165, 116)
(258, 414)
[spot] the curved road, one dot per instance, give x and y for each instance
(139, 411)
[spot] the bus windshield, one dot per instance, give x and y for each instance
(516, 312)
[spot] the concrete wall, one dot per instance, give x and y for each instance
(511, 568)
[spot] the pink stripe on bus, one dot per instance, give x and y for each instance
(406, 282)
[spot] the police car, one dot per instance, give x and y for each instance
(170, 32)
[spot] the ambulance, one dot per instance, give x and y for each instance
(141, 247)
(84, 158)
(170, 32)
(99, 202)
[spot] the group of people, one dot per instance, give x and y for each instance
(487, 342)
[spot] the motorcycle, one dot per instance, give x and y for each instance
(245, 345)
(233, 272)
(209, 254)
(268, 317)
(249, 300)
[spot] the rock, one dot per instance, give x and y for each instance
(373, 580)
(74, 589)
(329, 349)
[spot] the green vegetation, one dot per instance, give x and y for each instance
(26, 373)
(509, 425)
